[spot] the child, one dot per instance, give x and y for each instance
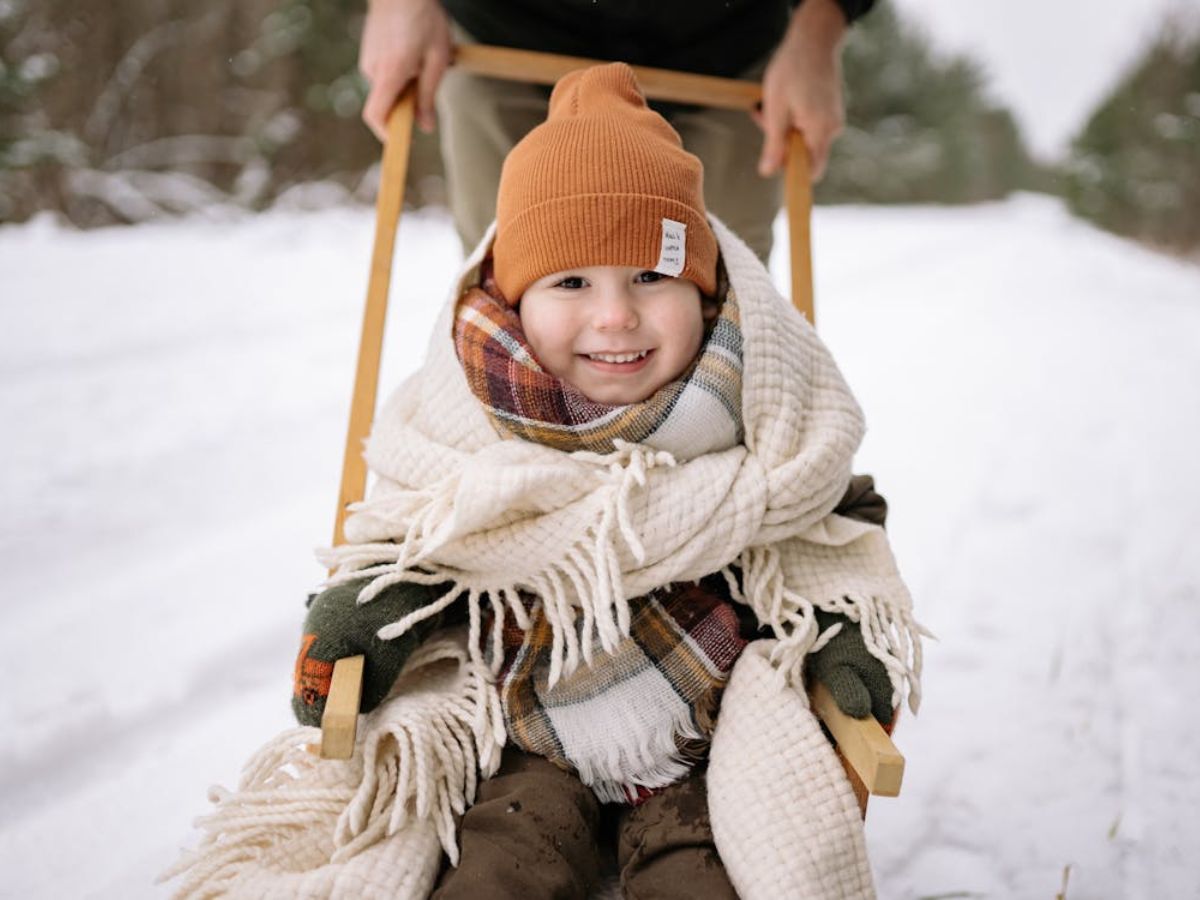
(633, 471)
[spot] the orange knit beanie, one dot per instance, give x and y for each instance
(604, 181)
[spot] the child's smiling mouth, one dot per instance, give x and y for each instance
(628, 362)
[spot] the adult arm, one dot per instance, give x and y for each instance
(403, 40)
(802, 85)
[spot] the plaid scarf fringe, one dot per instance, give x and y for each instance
(637, 719)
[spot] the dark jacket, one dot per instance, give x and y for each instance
(713, 37)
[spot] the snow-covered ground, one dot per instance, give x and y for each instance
(174, 400)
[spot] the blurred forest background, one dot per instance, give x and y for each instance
(150, 108)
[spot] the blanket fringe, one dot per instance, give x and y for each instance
(419, 757)
(889, 631)
(582, 592)
(585, 584)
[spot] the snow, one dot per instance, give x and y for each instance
(175, 399)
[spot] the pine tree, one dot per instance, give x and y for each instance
(1134, 167)
(919, 128)
(153, 107)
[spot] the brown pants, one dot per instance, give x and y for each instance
(536, 832)
(480, 119)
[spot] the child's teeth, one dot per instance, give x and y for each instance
(617, 357)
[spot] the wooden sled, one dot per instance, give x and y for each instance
(872, 762)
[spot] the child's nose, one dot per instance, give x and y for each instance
(615, 311)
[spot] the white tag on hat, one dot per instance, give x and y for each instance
(673, 250)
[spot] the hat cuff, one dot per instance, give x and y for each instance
(599, 230)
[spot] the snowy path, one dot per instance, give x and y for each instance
(174, 399)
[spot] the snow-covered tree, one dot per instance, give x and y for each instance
(919, 127)
(1134, 167)
(155, 107)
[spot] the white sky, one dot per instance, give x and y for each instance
(1048, 60)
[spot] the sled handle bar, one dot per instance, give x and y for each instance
(873, 763)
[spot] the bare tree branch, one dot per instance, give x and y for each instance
(184, 149)
(136, 196)
(125, 75)
(134, 62)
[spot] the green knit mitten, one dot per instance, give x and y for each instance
(337, 626)
(857, 681)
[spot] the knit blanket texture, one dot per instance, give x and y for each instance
(456, 500)
(637, 718)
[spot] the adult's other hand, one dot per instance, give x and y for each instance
(802, 87)
(403, 40)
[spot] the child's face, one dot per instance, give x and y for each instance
(615, 333)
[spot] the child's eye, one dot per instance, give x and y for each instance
(571, 283)
(649, 277)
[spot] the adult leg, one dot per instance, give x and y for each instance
(479, 120)
(531, 834)
(729, 143)
(665, 847)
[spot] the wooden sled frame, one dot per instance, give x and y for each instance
(872, 762)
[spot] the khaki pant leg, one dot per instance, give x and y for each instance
(480, 119)
(729, 143)
(530, 835)
(665, 847)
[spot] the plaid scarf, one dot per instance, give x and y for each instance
(638, 718)
(698, 413)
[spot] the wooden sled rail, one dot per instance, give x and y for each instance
(876, 765)
(873, 764)
(668, 85)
